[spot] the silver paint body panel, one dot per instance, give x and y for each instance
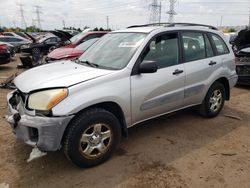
(141, 96)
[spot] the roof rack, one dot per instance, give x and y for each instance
(167, 24)
(192, 24)
(151, 24)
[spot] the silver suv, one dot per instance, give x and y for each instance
(128, 76)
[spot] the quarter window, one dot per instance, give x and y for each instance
(194, 46)
(209, 49)
(163, 50)
(219, 44)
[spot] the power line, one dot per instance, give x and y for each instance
(171, 11)
(38, 12)
(23, 22)
(155, 11)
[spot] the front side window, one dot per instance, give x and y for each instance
(219, 44)
(193, 46)
(114, 50)
(163, 50)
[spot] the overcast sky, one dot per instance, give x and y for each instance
(79, 13)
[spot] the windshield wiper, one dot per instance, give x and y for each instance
(86, 62)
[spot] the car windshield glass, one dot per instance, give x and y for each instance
(77, 37)
(43, 39)
(84, 46)
(114, 50)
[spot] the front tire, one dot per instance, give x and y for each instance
(214, 101)
(92, 137)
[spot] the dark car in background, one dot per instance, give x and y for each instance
(11, 48)
(241, 47)
(47, 42)
(41, 46)
(70, 53)
(4, 54)
(17, 42)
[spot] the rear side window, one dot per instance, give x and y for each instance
(8, 34)
(2, 39)
(14, 40)
(193, 45)
(220, 46)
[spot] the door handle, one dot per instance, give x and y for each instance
(212, 63)
(177, 71)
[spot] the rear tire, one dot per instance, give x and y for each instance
(214, 101)
(91, 137)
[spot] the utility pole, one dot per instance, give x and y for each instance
(221, 20)
(171, 11)
(23, 22)
(249, 19)
(155, 11)
(107, 22)
(160, 13)
(63, 23)
(38, 18)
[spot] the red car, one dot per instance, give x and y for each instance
(70, 53)
(4, 54)
(82, 37)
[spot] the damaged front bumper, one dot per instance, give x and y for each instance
(43, 132)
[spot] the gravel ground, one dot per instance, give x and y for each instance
(181, 150)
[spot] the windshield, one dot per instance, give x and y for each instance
(77, 37)
(85, 45)
(114, 50)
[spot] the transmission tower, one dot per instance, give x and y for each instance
(155, 11)
(171, 11)
(38, 18)
(23, 22)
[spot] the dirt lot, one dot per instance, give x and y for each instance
(182, 150)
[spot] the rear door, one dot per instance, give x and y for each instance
(156, 93)
(200, 63)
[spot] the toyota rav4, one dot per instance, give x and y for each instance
(85, 106)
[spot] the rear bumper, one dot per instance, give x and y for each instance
(243, 71)
(244, 80)
(4, 58)
(43, 132)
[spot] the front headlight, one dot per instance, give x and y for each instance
(46, 100)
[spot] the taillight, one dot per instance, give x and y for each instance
(3, 48)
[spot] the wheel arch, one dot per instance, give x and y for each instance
(224, 81)
(112, 107)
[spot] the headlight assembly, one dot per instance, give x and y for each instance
(47, 99)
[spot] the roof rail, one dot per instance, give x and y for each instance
(192, 24)
(151, 24)
(167, 24)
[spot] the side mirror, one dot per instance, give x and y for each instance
(148, 67)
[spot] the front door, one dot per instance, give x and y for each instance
(156, 93)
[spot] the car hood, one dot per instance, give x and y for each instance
(242, 40)
(60, 74)
(61, 53)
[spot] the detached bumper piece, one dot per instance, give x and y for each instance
(45, 133)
